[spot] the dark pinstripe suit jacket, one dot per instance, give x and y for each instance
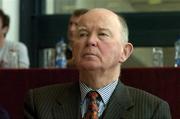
(63, 102)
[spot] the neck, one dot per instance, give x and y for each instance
(97, 78)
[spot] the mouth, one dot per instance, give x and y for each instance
(89, 55)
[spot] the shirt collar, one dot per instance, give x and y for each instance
(105, 91)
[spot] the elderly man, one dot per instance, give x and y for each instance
(100, 47)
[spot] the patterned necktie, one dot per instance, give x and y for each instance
(93, 103)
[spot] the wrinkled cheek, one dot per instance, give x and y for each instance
(118, 55)
(114, 56)
(76, 54)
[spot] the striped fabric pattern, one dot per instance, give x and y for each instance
(105, 93)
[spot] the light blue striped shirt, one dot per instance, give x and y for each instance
(105, 93)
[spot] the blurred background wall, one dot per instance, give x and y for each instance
(39, 23)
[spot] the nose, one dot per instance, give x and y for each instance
(92, 40)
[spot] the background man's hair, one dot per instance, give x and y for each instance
(5, 19)
(79, 12)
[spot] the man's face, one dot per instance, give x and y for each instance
(98, 42)
(72, 27)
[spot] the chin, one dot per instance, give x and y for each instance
(88, 66)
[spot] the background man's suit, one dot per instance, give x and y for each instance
(63, 102)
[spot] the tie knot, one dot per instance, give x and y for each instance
(93, 95)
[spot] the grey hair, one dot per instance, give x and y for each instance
(125, 31)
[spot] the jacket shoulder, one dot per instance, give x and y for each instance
(138, 94)
(53, 89)
(51, 92)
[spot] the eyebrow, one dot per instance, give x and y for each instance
(106, 30)
(84, 28)
(81, 28)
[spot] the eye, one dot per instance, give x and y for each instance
(103, 35)
(70, 23)
(83, 34)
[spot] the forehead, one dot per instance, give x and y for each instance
(99, 19)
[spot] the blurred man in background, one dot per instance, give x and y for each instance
(12, 54)
(73, 22)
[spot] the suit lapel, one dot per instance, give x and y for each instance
(68, 108)
(119, 104)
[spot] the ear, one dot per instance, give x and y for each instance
(126, 52)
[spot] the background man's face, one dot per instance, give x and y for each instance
(1, 29)
(72, 27)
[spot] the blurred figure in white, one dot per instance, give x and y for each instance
(12, 54)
